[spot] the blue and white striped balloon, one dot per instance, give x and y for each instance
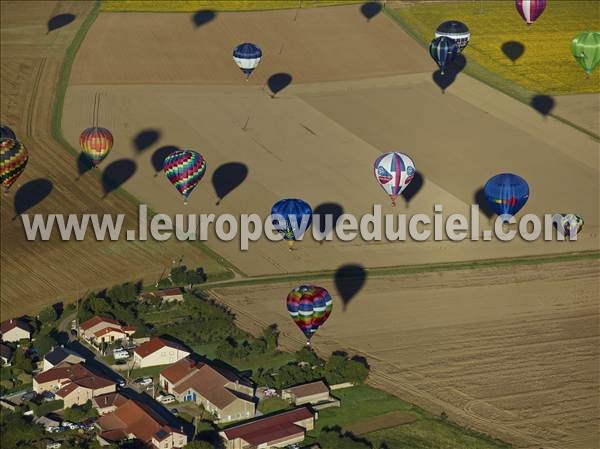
(443, 50)
(247, 56)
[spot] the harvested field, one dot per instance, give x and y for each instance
(510, 352)
(380, 422)
(38, 273)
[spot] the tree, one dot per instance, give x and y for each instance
(196, 276)
(178, 275)
(271, 336)
(308, 355)
(355, 372)
(333, 438)
(79, 413)
(197, 444)
(48, 315)
(21, 361)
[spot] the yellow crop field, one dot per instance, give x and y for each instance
(546, 64)
(213, 5)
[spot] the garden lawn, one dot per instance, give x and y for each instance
(546, 66)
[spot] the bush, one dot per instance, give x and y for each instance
(46, 407)
(79, 413)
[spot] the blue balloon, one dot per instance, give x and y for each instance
(443, 50)
(293, 211)
(506, 193)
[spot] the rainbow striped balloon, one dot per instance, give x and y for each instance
(185, 169)
(13, 159)
(309, 306)
(96, 143)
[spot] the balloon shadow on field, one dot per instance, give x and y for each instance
(543, 104)
(413, 188)
(454, 68)
(30, 194)
(322, 210)
(349, 280)
(84, 164)
(116, 174)
(159, 156)
(145, 139)
(370, 9)
(203, 17)
(60, 21)
(228, 177)
(278, 82)
(513, 50)
(481, 201)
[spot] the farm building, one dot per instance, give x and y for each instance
(15, 330)
(228, 396)
(158, 351)
(310, 393)
(278, 430)
(166, 295)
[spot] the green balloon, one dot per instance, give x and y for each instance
(586, 50)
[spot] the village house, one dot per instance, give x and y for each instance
(226, 395)
(15, 330)
(166, 295)
(99, 330)
(74, 384)
(60, 356)
(108, 403)
(5, 354)
(274, 431)
(158, 351)
(131, 419)
(310, 393)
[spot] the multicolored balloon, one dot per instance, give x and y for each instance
(309, 306)
(530, 10)
(247, 56)
(572, 223)
(394, 171)
(7, 133)
(455, 30)
(293, 211)
(443, 50)
(506, 193)
(586, 50)
(96, 143)
(13, 160)
(185, 169)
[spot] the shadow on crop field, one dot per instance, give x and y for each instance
(30, 194)
(228, 177)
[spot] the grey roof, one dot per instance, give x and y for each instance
(6, 352)
(57, 355)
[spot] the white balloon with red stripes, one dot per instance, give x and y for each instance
(394, 171)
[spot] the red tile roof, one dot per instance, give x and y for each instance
(264, 430)
(9, 325)
(109, 400)
(150, 347)
(67, 389)
(179, 370)
(309, 389)
(78, 374)
(97, 320)
(167, 292)
(107, 330)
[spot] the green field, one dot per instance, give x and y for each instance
(546, 65)
(213, 5)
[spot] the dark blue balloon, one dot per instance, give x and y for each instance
(506, 193)
(293, 211)
(7, 133)
(443, 50)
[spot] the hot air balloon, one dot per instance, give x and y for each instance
(455, 30)
(293, 211)
(185, 169)
(13, 159)
(247, 56)
(572, 223)
(506, 193)
(394, 171)
(7, 133)
(586, 50)
(530, 10)
(309, 306)
(96, 143)
(443, 50)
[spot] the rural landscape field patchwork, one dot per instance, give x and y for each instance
(327, 107)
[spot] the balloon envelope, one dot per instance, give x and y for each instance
(96, 143)
(456, 31)
(185, 169)
(7, 133)
(530, 10)
(586, 50)
(293, 211)
(506, 193)
(247, 56)
(394, 171)
(309, 306)
(13, 160)
(443, 50)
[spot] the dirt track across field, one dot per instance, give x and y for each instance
(512, 352)
(35, 274)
